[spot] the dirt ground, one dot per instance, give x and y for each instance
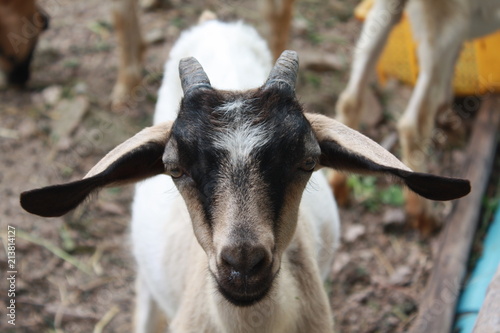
(75, 273)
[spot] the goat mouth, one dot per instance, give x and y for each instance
(245, 293)
(244, 299)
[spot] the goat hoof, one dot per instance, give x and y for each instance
(123, 99)
(119, 97)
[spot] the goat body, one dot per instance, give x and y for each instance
(440, 27)
(241, 236)
(236, 58)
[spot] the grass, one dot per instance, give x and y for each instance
(367, 191)
(71, 63)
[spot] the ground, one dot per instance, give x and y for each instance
(76, 274)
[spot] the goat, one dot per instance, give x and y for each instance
(440, 27)
(21, 21)
(247, 244)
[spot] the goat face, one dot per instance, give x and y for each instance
(20, 24)
(241, 162)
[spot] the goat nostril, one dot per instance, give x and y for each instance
(257, 259)
(244, 259)
(228, 257)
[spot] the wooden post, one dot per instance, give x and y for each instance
(488, 320)
(437, 308)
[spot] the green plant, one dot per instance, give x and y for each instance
(366, 191)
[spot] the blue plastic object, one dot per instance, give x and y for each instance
(473, 295)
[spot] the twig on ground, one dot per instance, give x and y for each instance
(106, 319)
(55, 250)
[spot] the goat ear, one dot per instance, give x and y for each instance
(135, 159)
(345, 149)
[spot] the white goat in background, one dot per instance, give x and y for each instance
(441, 27)
(240, 236)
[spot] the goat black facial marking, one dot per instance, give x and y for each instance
(223, 138)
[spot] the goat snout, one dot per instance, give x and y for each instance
(245, 260)
(245, 273)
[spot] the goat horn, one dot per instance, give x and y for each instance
(192, 75)
(285, 70)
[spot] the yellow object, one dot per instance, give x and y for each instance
(477, 70)
(362, 9)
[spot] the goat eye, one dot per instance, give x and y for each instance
(174, 171)
(308, 164)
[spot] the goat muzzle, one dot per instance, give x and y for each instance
(245, 273)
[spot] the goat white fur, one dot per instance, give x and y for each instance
(234, 57)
